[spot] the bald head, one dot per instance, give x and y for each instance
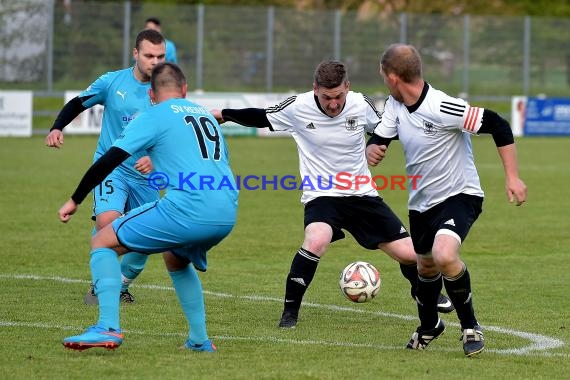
(403, 61)
(167, 75)
(167, 81)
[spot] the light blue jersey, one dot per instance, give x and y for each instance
(188, 150)
(170, 52)
(124, 97)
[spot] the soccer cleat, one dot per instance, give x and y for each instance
(421, 338)
(207, 346)
(127, 297)
(288, 319)
(444, 304)
(95, 336)
(473, 341)
(90, 297)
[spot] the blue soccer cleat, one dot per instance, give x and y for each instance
(207, 346)
(95, 336)
(473, 341)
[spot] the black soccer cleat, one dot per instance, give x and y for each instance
(90, 297)
(444, 304)
(421, 338)
(126, 297)
(288, 319)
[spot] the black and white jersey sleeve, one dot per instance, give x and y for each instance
(281, 116)
(456, 113)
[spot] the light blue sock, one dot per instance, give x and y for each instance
(189, 291)
(132, 264)
(106, 275)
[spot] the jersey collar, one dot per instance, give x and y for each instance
(417, 105)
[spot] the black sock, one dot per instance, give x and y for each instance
(410, 272)
(303, 270)
(459, 291)
(427, 295)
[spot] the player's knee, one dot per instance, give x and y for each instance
(317, 238)
(173, 263)
(444, 260)
(316, 243)
(427, 267)
(316, 246)
(105, 218)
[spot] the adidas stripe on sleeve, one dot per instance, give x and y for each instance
(456, 112)
(281, 115)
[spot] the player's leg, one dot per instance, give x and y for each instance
(320, 220)
(303, 268)
(159, 227)
(133, 263)
(189, 292)
(399, 250)
(428, 291)
(198, 239)
(105, 272)
(458, 215)
(375, 226)
(457, 282)
(133, 229)
(109, 200)
(101, 220)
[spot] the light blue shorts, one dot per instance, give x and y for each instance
(120, 193)
(159, 227)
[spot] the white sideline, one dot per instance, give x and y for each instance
(539, 344)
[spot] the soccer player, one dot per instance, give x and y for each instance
(124, 94)
(435, 130)
(182, 138)
(329, 124)
(154, 23)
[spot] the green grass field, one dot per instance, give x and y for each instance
(518, 258)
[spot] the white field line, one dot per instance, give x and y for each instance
(539, 344)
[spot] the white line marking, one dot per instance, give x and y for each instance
(540, 344)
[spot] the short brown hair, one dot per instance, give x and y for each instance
(149, 35)
(402, 60)
(154, 20)
(330, 74)
(167, 74)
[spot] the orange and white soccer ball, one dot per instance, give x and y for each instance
(360, 281)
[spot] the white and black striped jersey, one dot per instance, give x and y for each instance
(436, 136)
(328, 147)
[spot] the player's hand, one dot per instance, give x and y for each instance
(68, 209)
(54, 139)
(375, 154)
(144, 165)
(218, 115)
(516, 191)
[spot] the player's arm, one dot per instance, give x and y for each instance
(93, 176)
(502, 134)
(248, 117)
(376, 149)
(379, 140)
(69, 112)
(384, 132)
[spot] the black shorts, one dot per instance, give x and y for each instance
(456, 214)
(368, 219)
